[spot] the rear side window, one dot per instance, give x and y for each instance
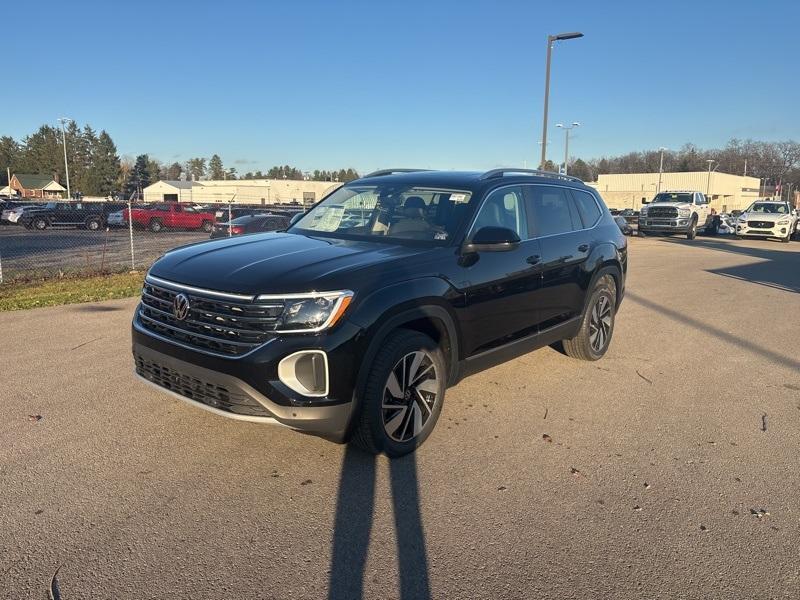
(587, 208)
(551, 210)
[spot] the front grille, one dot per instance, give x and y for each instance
(760, 224)
(664, 212)
(205, 392)
(212, 325)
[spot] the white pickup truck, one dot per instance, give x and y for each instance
(678, 212)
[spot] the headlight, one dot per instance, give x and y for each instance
(311, 312)
(784, 221)
(742, 219)
(643, 212)
(684, 212)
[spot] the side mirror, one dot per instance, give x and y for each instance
(296, 218)
(645, 201)
(492, 239)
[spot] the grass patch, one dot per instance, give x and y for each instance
(68, 290)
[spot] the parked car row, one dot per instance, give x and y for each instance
(155, 217)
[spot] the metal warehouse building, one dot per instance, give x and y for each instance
(727, 192)
(240, 191)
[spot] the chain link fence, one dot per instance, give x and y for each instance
(65, 239)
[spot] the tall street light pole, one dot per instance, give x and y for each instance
(551, 39)
(567, 129)
(660, 169)
(63, 121)
(708, 183)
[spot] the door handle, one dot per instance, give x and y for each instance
(533, 259)
(583, 248)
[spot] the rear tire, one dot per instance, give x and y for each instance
(713, 228)
(93, 224)
(403, 395)
(156, 225)
(597, 325)
(40, 224)
(207, 226)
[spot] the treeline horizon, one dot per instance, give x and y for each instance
(96, 169)
(777, 161)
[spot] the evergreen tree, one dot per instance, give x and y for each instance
(9, 157)
(174, 171)
(42, 153)
(105, 167)
(139, 177)
(215, 169)
(196, 167)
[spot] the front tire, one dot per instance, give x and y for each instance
(597, 325)
(93, 224)
(207, 226)
(40, 224)
(403, 395)
(156, 225)
(692, 233)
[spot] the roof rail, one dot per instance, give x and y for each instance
(381, 172)
(500, 172)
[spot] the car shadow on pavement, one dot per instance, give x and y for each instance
(736, 340)
(355, 507)
(778, 267)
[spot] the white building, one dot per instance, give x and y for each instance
(240, 191)
(725, 191)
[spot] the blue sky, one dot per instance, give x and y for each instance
(451, 84)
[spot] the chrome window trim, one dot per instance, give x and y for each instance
(538, 237)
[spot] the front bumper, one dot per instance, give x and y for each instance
(248, 388)
(680, 225)
(778, 231)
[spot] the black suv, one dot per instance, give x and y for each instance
(352, 323)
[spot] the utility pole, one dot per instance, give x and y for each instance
(64, 120)
(551, 39)
(745, 167)
(567, 129)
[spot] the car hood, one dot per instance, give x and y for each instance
(277, 263)
(771, 217)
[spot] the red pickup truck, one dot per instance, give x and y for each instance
(170, 216)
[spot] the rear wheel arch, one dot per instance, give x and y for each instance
(608, 267)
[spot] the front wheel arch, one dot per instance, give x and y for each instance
(433, 320)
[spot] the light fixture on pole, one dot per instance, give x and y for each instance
(567, 129)
(63, 121)
(550, 40)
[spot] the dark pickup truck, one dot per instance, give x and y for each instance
(88, 215)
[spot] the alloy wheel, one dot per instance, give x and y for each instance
(600, 324)
(410, 395)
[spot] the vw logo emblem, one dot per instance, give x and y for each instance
(180, 306)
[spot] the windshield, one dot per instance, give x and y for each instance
(387, 212)
(769, 207)
(686, 197)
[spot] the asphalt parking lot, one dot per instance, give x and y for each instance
(666, 470)
(26, 252)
